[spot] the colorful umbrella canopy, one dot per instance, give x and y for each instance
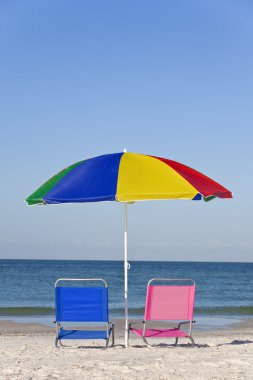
(127, 177)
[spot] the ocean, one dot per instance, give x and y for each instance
(224, 291)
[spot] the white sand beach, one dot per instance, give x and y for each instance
(28, 352)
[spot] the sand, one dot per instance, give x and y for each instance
(27, 352)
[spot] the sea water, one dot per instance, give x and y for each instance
(224, 291)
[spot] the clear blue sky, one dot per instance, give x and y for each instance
(168, 78)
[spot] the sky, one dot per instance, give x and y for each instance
(169, 78)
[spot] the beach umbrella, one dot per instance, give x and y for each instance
(126, 177)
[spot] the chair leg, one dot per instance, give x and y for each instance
(146, 342)
(63, 345)
(129, 327)
(192, 341)
(176, 342)
(112, 335)
(108, 339)
(57, 340)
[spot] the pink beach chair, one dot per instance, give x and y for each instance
(171, 300)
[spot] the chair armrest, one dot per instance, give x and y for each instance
(135, 323)
(184, 323)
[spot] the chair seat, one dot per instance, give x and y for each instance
(83, 334)
(160, 333)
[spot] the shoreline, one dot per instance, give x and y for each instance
(8, 326)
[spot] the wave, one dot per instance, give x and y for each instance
(137, 312)
(225, 310)
(26, 311)
(215, 310)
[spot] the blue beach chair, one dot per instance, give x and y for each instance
(85, 306)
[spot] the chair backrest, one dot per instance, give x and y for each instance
(170, 302)
(81, 303)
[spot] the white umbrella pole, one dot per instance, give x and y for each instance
(126, 274)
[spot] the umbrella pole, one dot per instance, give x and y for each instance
(126, 274)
